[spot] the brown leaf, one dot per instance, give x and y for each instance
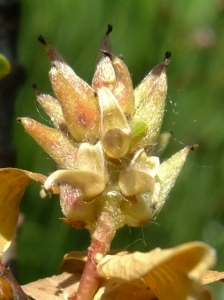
(114, 289)
(168, 265)
(53, 288)
(74, 261)
(170, 274)
(61, 286)
(212, 276)
(5, 290)
(13, 183)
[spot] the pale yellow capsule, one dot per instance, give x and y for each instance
(115, 130)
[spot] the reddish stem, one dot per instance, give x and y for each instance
(100, 243)
(90, 281)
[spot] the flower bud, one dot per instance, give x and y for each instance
(53, 108)
(123, 89)
(104, 74)
(53, 141)
(168, 173)
(150, 98)
(79, 109)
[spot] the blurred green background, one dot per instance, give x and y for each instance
(143, 31)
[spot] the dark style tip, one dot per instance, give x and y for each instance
(34, 86)
(109, 29)
(193, 147)
(42, 40)
(167, 55)
(37, 91)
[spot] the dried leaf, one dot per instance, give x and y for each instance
(212, 276)
(61, 286)
(74, 261)
(5, 290)
(53, 288)
(170, 274)
(13, 183)
(114, 289)
(126, 271)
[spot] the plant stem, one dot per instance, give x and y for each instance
(7, 275)
(102, 237)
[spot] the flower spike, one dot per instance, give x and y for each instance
(106, 144)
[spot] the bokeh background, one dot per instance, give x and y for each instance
(143, 31)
